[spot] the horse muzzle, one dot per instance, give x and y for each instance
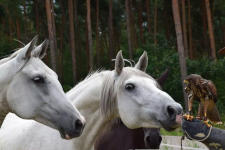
(76, 131)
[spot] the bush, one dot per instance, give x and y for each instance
(165, 56)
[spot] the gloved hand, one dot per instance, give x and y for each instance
(195, 129)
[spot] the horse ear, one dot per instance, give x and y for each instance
(161, 80)
(25, 53)
(40, 50)
(119, 63)
(142, 62)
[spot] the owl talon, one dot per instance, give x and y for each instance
(198, 117)
(207, 123)
(219, 123)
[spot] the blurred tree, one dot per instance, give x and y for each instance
(52, 33)
(22, 19)
(155, 21)
(72, 39)
(89, 33)
(184, 28)
(148, 15)
(18, 28)
(190, 31)
(111, 34)
(61, 36)
(211, 32)
(180, 45)
(140, 20)
(36, 3)
(97, 49)
(129, 36)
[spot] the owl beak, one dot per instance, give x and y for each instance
(186, 82)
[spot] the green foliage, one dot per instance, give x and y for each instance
(161, 56)
(213, 71)
(164, 56)
(177, 132)
(7, 47)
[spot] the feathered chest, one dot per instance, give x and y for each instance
(203, 89)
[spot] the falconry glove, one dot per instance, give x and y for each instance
(213, 138)
(196, 130)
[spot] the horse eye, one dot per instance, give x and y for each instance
(129, 86)
(38, 79)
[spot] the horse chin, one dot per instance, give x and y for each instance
(67, 136)
(64, 135)
(170, 128)
(168, 125)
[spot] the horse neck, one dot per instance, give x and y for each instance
(86, 97)
(7, 71)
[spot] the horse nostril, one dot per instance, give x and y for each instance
(171, 111)
(78, 124)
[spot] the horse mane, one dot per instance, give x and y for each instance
(108, 95)
(90, 76)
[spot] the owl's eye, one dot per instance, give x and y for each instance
(129, 86)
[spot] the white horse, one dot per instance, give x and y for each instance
(126, 92)
(31, 90)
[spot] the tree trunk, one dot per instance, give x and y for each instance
(166, 20)
(132, 23)
(89, 34)
(72, 39)
(97, 33)
(223, 29)
(148, 15)
(111, 34)
(155, 22)
(130, 45)
(87, 46)
(204, 28)
(24, 9)
(140, 21)
(62, 29)
(210, 28)
(37, 16)
(53, 25)
(18, 28)
(117, 37)
(25, 17)
(191, 54)
(10, 31)
(180, 45)
(184, 28)
(51, 32)
(77, 31)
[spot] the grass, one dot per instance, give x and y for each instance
(178, 131)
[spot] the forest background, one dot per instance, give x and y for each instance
(85, 35)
